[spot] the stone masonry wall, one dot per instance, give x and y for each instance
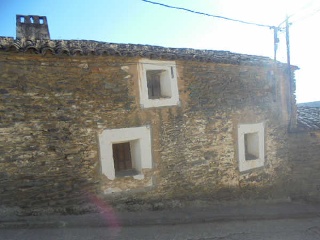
(198, 157)
(53, 108)
(304, 154)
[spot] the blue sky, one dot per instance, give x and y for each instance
(138, 22)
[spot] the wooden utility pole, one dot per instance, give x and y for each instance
(288, 49)
(290, 99)
(275, 42)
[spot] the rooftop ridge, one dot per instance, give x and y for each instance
(90, 47)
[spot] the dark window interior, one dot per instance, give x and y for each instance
(153, 82)
(122, 156)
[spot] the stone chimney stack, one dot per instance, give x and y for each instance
(30, 27)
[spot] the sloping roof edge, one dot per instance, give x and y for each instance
(88, 47)
(308, 118)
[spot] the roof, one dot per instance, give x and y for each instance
(308, 118)
(87, 47)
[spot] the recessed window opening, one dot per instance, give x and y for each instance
(156, 87)
(41, 20)
(125, 152)
(158, 83)
(251, 146)
(122, 157)
(153, 84)
(251, 142)
(22, 19)
(31, 20)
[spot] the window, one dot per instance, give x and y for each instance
(122, 160)
(250, 146)
(158, 83)
(125, 152)
(153, 84)
(122, 156)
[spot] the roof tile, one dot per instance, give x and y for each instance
(87, 47)
(308, 118)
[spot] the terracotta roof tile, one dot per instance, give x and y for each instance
(86, 47)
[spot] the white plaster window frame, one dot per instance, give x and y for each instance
(168, 80)
(140, 144)
(245, 165)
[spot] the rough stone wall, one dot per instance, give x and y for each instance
(55, 106)
(304, 155)
(199, 147)
(50, 110)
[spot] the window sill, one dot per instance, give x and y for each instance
(126, 173)
(130, 173)
(160, 102)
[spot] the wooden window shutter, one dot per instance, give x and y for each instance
(122, 156)
(153, 84)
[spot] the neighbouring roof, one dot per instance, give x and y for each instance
(86, 47)
(309, 104)
(308, 118)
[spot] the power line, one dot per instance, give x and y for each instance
(307, 16)
(207, 14)
(295, 13)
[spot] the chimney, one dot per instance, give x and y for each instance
(31, 27)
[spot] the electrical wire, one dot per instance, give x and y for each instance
(296, 12)
(208, 15)
(307, 16)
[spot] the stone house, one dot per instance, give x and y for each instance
(138, 123)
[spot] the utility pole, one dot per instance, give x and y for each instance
(288, 49)
(275, 48)
(290, 100)
(275, 42)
